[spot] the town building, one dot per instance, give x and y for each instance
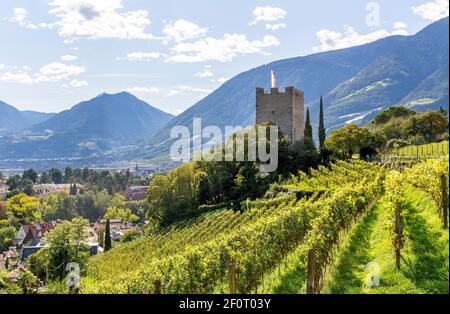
(3, 191)
(136, 193)
(32, 233)
(43, 190)
(26, 251)
(117, 229)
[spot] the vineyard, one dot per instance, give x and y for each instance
(291, 241)
(433, 149)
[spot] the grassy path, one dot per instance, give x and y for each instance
(425, 257)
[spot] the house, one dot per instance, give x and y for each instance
(33, 233)
(27, 251)
(117, 229)
(3, 191)
(136, 193)
(43, 190)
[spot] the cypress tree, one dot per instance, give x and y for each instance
(308, 128)
(321, 126)
(107, 245)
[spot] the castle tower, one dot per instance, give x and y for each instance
(284, 109)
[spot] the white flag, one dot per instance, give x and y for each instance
(274, 80)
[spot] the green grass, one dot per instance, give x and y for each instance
(424, 266)
(289, 277)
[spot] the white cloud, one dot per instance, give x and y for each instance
(432, 11)
(143, 90)
(275, 27)
(68, 58)
(222, 50)
(2, 66)
(20, 77)
(206, 72)
(77, 84)
(56, 71)
(184, 90)
(182, 30)
(96, 19)
(53, 72)
(331, 40)
(20, 17)
(142, 56)
(268, 14)
(400, 25)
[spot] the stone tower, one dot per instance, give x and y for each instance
(286, 110)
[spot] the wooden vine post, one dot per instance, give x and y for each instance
(398, 234)
(157, 287)
(310, 285)
(232, 277)
(444, 200)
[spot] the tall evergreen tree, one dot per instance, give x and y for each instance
(108, 244)
(68, 173)
(308, 128)
(322, 130)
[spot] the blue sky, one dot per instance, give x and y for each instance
(172, 53)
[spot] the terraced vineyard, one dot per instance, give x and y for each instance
(433, 149)
(365, 259)
(344, 216)
(195, 256)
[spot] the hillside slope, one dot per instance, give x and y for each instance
(91, 127)
(12, 119)
(356, 83)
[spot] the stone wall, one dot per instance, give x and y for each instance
(284, 109)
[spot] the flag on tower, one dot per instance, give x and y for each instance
(274, 80)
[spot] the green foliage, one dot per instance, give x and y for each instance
(18, 185)
(22, 209)
(108, 244)
(321, 130)
(353, 139)
(308, 136)
(392, 112)
(7, 235)
(173, 196)
(418, 128)
(120, 213)
(67, 243)
(30, 174)
(400, 148)
(130, 236)
(193, 257)
(26, 281)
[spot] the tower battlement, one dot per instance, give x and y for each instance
(284, 109)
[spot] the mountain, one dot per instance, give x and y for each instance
(12, 120)
(356, 83)
(89, 128)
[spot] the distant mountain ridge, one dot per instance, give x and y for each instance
(356, 83)
(91, 127)
(12, 119)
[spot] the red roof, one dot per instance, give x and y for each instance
(38, 230)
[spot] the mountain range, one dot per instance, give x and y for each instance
(355, 82)
(89, 128)
(11, 119)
